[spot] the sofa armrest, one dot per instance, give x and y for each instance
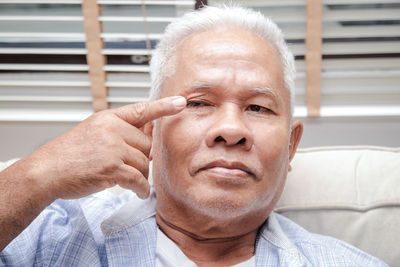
(351, 193)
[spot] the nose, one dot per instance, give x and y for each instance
(229, 129)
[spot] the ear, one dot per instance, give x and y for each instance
(296, 133)
(148, 130)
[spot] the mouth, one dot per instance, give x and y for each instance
(226, 169)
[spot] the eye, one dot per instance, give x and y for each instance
(196, 104)
(258, 109)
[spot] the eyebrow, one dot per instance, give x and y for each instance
(257, 90)
(264, 91)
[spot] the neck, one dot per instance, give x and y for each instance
(210, 251)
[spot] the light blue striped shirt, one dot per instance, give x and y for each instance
(108, 230)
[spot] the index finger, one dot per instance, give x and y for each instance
(140, 113)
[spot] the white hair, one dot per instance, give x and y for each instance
(210, 17)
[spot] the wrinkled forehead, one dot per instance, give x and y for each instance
(221, 44)
(230, 46)
(224, 39)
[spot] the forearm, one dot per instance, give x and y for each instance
(22, 198)
(106, 149)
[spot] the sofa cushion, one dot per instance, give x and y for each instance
(351, 193)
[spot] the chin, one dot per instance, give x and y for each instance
(223, 206)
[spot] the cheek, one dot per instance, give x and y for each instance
(274, 158)
(179, 134)
(180, 138)
(273, 151)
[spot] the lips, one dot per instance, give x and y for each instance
(227, 169)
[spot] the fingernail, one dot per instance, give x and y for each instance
(179, 102)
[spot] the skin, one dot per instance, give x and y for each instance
(108, 148)
(221, 164)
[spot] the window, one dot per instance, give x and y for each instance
(44, 72)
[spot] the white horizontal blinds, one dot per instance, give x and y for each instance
(44, 73)
(43, 70)
(131, 30)
(367, 33)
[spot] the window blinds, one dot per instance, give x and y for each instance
(44, 72)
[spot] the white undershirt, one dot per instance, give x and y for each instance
(168, 254)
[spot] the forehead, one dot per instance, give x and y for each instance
(225, 55)
(225, 49)
(228, 42)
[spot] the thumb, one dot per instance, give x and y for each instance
(140, 113)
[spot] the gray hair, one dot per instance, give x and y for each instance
(211, 17)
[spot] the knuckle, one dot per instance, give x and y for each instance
(99, 116)
(134, 180)
(103, 142)
(111, 167)
(112, 141)
(115, 165)
(101, 120)
(140, 110)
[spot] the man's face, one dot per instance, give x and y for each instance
(227, 153)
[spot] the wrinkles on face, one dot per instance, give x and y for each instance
(226, 154)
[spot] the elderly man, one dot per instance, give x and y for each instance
(221, 138)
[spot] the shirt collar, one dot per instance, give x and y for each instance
(133, 212)
(273, 233)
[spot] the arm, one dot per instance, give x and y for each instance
(21, 200)
(106, 149)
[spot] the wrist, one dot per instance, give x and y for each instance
(36, 181)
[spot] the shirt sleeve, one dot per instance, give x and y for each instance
(5, 164)
(64, 231)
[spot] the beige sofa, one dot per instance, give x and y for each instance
(352, 193)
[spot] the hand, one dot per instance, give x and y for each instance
(106, 149)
